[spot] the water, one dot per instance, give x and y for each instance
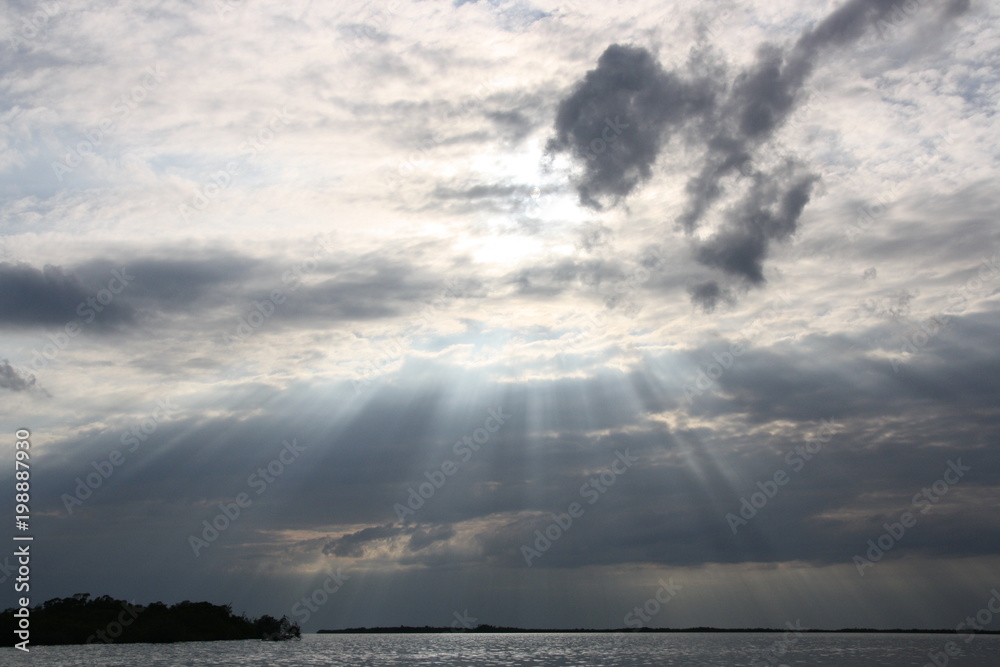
(536, 650)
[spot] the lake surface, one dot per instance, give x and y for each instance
(536, 650)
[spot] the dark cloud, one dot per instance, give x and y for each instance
(51, 296)
(707, 295)
(424, 537)
(177, 284)
(352, 545)
(769, 212)
(619, 117)
(616, 119)
(13, 379)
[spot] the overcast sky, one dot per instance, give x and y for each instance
(707, 292)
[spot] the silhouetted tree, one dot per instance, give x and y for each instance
(82, 620)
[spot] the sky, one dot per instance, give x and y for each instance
(521, 312)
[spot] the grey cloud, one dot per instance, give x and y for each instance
(514, 124)
(361, 31)
(352, 545)
(669, 508)
(707, 295)
(51, 296)
(769, 212)
(513, 199)
(731, 122)
(167, 284)
(13, 379)
(424, 537)
(553, 279)
(481, 191)
(616, 118)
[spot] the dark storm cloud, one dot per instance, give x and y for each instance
(786, 381)
(669, 508)
(769, 212)
(107, 292)
(616, 119)
(619, 117)
(177, 284)
(52, 296)
(312, 285)
(13, 379)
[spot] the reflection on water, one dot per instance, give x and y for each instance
(537, 650)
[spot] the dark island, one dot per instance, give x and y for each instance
(105, 620)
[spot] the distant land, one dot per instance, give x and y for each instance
(427, 629)
(104, 620)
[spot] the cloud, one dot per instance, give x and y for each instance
(618, 118)
(49, 296)
(770, 211)
(424, 537)
(707, 295)
(14, 380)
(352, 545)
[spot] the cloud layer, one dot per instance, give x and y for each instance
(507, 307)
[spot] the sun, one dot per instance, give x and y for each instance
(507, 250)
